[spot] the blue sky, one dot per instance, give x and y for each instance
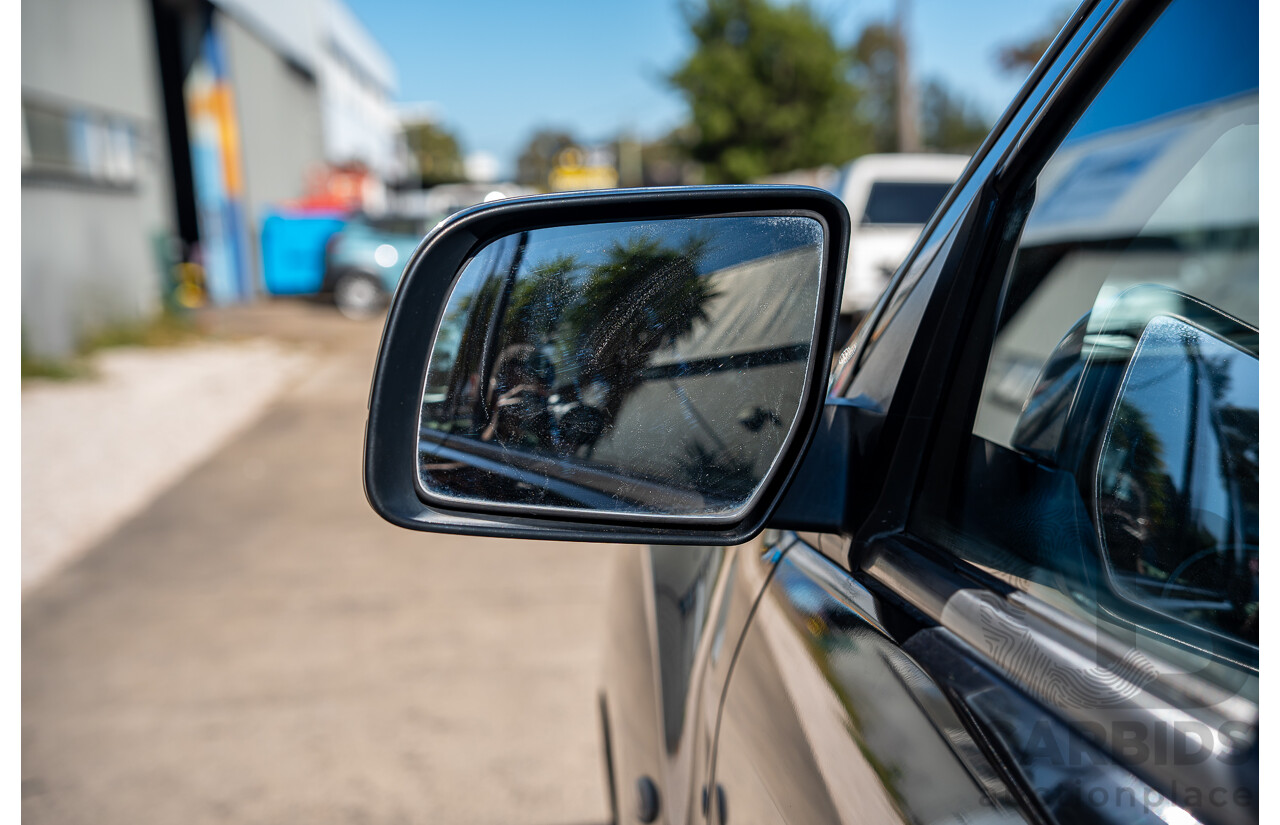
(498, 69)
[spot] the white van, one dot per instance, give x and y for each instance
(890, 198)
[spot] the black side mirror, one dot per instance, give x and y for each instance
(635, 365)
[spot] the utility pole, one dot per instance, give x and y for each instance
(908, 133)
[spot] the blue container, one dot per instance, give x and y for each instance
(293, 252)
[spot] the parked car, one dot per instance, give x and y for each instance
(890, 198)
(1000, 564)
(364, 260)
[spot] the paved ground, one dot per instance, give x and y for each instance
(257, 647)
(96, 451)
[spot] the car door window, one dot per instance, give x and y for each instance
(899, 203)
(1111, 465)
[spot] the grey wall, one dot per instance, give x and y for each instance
(87, 251)
(87, 261)
(279, 112)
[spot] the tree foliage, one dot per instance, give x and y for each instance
(768, 91)
(1020, 57)
(643, 296)
(948, 122)
(665, 160)
(533, 167)
(875, 71)
(539, 299)
(436, 153)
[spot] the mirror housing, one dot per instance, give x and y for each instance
(392, 438)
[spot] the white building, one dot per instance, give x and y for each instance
(357, 83)
(354, 77)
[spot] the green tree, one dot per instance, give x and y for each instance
(768, 91)
(538, 300)
(642, 297)
(1021, 56)
(665, 160)
(538, 157)
(948, 122)
(875, 71)
(436, 152)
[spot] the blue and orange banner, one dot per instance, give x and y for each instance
(218, 171)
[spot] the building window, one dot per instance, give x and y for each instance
(78, 143)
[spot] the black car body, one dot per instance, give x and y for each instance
(1009, 565)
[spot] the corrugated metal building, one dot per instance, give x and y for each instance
(163, 130)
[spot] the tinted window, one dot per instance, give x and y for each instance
(1112, 462)
(902, 202)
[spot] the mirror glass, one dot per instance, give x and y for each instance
(1177, 481)
(648, 367)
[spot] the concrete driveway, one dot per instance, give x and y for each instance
(258, 647)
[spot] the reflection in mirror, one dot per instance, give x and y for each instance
(1177, 482)
(637, 367)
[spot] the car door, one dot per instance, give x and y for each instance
(1032, 593)
(677, 615)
